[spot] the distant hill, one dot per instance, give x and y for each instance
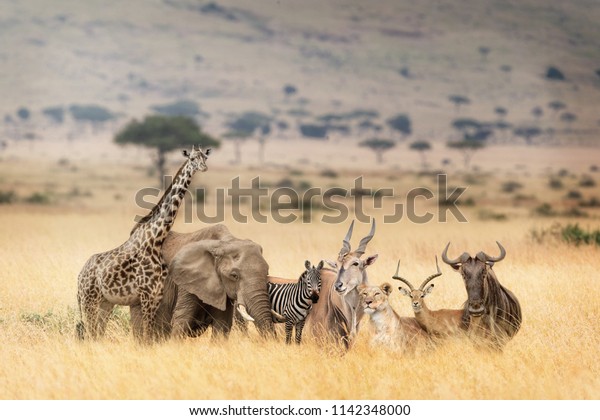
(232, 56)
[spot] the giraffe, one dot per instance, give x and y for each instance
(133, 273)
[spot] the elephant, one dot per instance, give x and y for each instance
(211, 272)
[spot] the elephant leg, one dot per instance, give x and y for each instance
(222, 321)
(136, 322)
(289, 326)
(299, 328)
(184, 323)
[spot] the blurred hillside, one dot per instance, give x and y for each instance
(347, 66)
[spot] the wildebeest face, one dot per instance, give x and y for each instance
(474, 273)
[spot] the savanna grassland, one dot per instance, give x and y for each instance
(67, 191)
(554, 356)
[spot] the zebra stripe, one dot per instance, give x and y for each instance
(294, 300)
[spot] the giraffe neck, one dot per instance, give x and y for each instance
(160, 220)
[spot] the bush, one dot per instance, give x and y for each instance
(592, 202)
(544, 210)
(574, 212)
(7, 197)
(486, 214)
(313, 131)
(329, 173)
(38, 198)
(574, 195)
(553, 73)
(511, 186)
(587, 182)
(573, 234)
(555, 184)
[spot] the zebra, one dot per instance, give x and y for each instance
(293, 301)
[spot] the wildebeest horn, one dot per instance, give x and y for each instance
(439, 273)
(498, 258)
(346, 242)
(242, 310)
(463, 258)
(396, 277)
(362, 246)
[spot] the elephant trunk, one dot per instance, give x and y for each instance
(256, 300)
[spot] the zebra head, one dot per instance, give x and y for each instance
(312, 280)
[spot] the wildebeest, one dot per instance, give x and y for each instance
(491, 311)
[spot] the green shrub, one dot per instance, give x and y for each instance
(587, 182)
(573, 234)
(7, 197)
(486, 214)
(555, 184)
(38, 198)
(511, 186)
(545, 210)
(329, 173)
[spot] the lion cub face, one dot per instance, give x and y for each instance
(374, 298)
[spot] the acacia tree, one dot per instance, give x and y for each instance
(400, 123)
(528, 133)
(243, 126)
(379, 146)
(568, 118)
(467, 148)
(421, 146)
(458, 101)
(556, 106)
(163, 134)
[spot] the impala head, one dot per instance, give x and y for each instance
(197, 158)
(374, 298)
(475, 272)
(350, 266)
(417, 295)
(312, 280)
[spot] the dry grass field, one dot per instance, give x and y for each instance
(554, 356)
(67, 191)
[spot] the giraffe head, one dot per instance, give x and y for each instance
(197, 158)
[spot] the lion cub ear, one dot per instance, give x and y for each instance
(387, 288)
(361, 287)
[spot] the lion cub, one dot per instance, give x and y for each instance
(391, 330)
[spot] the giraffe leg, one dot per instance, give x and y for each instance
(90, 299)
(135, 312)
(299, 328)
(104, 312)
(149, 303)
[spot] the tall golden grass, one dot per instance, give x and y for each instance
(554, 356)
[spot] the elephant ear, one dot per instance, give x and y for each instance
(194, 269)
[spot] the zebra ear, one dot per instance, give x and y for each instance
(320, 265)
(307, 264)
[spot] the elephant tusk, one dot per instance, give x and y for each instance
(277, 316)
(242, 310)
